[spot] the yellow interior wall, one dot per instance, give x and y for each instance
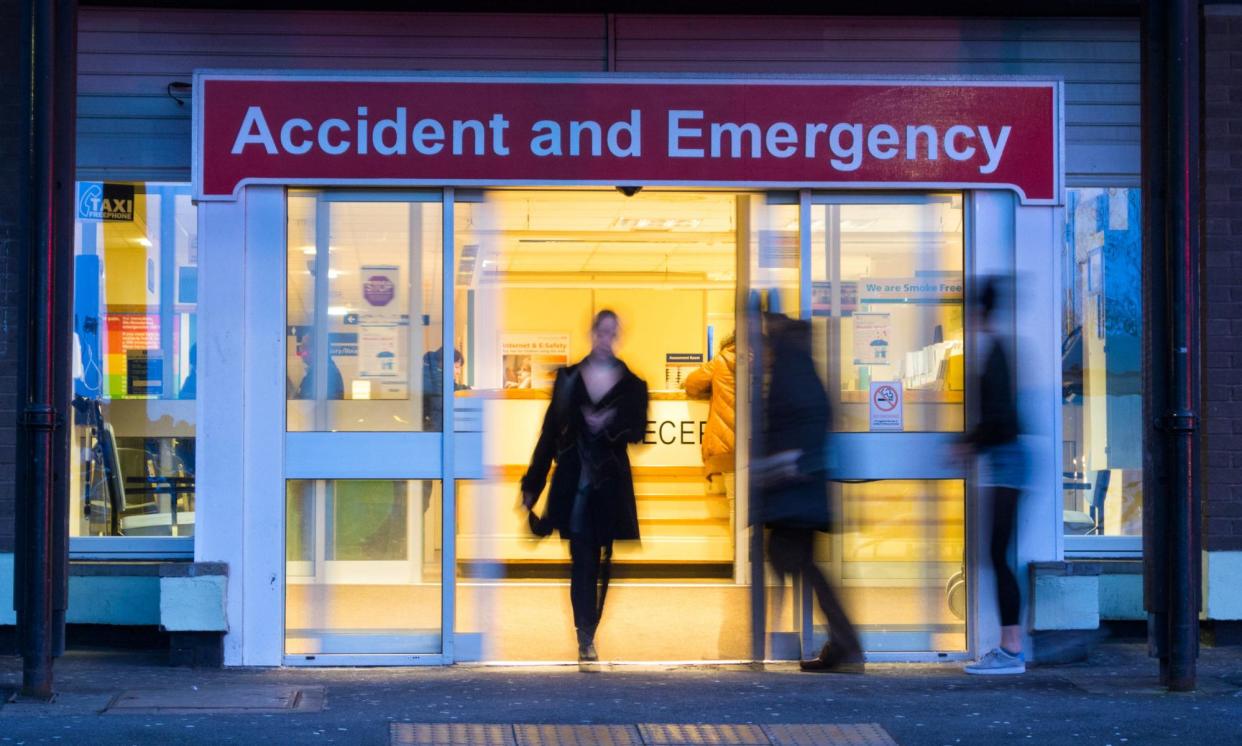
(655, 322)
(125, 281)
(560, 311)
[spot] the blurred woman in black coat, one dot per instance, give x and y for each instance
(792, 482)
(598, 408)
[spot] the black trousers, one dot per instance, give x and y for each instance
(792, 551)
(1004, 518)
(588, 580)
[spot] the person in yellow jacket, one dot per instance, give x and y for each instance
(716, 379)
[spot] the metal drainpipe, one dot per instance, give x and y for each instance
(1155, 332)
(43, 446)
(1182, 422)
(39, 415)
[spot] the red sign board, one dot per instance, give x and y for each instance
(701, 131)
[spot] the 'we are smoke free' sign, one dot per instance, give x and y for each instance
(616, 130)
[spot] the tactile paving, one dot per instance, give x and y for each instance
(577, 735)
(845, 734)
(450, 734)
(692, 735)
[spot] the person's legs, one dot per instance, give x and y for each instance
(1007, 658)
(1008, 595)
(841, 633)
(792, 552)
(583, 583)
(783, 551)
(603, 576)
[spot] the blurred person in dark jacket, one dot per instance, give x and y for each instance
(598, 408)
(306, 389)
(792, 482)
(433, 381)
(994, 441)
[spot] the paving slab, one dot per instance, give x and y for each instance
(219, 699)
(1110, 684)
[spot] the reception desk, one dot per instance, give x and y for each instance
(680, 522)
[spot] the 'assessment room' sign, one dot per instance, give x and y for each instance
(624, 130)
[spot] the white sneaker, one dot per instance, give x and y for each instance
(998, 663)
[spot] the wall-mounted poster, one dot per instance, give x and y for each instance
(134, 363)
(678, 366)
(529, 361)
(871, 338)
(383, 303)
(821, 298)
(378, 353)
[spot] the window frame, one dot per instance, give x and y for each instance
(130, 548)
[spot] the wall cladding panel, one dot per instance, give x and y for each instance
(1097, 58)
(131, 128)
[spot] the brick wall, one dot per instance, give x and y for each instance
(10, 274)
(1222, 277)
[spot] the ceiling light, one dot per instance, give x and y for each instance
(337, 310)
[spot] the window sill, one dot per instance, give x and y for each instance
(131, 547)
(1103, 546)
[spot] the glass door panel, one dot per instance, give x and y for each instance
(532, 267)
(887, 296)
(887, 307)
(363, 459)
(362, 567)
(899, 561)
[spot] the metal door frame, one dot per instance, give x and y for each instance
(927, 468)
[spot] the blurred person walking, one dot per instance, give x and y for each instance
(598, 408)
(792, 483)
(716, 380)
(994, 441)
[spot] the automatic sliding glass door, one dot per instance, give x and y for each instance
(365, 407)
(887, 287)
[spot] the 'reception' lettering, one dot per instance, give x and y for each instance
(670, 432)
(844, 146)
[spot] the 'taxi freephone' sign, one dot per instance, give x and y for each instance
(700, 131)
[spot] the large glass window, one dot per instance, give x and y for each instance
(1101, 351)
(134, 360)
(363, 336)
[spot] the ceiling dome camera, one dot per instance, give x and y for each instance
(629, 191)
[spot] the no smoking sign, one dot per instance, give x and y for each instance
(886, 406)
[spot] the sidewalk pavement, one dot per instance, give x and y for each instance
(1112, 699)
